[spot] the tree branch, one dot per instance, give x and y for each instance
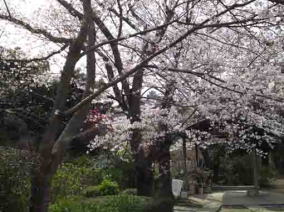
(7, 8)
(148, 59)
(71, 9)
(39, 58)
(42, 32)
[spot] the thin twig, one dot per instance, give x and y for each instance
(6, 5)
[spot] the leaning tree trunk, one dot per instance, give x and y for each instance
(57, 136)
(42, 170)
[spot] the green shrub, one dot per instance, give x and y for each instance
(15, 180)
(126, 203)
(73, 204)
(117, 203)
(92, 191)
(72, 178)
(118, 170)
(107, 187)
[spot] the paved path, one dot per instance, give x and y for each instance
(204, 203)
(241, 198)
(234, 199)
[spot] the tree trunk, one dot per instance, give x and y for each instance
(143, 166)
(57, 136)
(164, 181)
(40, 194)
(40, 191)
(144, 176)
(163, 188)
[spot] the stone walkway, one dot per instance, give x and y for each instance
(234, 201)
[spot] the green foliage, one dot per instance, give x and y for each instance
(92, 191)
(126, 203)
(114, 174)
(15, 184)
(81, 176)
(73, 178)
(238, 170)
(117, 167)
(267, 174)
(160, 204)
(107, 187)
(73, 204)
(117, 203)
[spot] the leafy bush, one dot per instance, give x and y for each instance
(15, 180)
(107, 187)
(81, 176)
(73, 204)
(117, 168)
(126, 203)
(117, 203)
(73, 177)
(92, 191)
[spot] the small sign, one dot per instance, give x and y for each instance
(176, 187)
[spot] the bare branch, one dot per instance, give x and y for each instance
(125, 19)
(120, 18)
(7, 8)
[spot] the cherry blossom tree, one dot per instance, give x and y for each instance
(131, 42)
(215, 58)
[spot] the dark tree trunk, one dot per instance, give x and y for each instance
(143, 166)
(40, 190)
(57, 136)
(163, 188)
(164, 181)
(144, 176)
(40, 196)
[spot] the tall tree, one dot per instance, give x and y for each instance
(130, 39)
